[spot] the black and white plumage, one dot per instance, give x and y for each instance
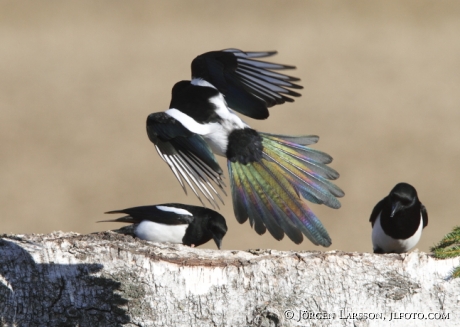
(175, 223)
(268, 172)
(249, 86)
(398, 220)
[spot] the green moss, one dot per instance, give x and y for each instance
(449, 247)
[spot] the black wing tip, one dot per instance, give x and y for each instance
(372, 220)
(260, 231)
(296, 86)
(267, 53)
(322, 238)
(278, 66)
(285, 67)
(339, 195)
(334, 204)
(284, 97)
(424, 215)
(114, 211)
(293, 94)
(278, 238)
(106, 221)
(260, 115)
(323, 241)
(294, 79)
(296, 240)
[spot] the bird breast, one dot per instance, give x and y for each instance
(156, 232)
(388, 244)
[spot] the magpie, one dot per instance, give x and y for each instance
(175, 223)
(397, 220)
(268, 172)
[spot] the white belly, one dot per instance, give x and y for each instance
(389, 244)
(155, 232)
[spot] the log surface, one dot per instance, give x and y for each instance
(108, 279)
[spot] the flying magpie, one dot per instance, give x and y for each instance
(268, 172)
(175, 223)
(397, 220)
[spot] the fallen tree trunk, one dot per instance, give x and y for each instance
(108, 279)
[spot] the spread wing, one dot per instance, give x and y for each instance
(377, 210)
(250, 86)
(424, 216)
(187, 154)
(163, 214)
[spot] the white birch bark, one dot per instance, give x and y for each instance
(108, 279)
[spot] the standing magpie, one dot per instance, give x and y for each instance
(397, 220)
(175, 223)
(268, 172)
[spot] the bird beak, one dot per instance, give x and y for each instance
(394, 209)
(218, 241)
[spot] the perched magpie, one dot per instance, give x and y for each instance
(175, 223)
(268, 172)
(398, 220)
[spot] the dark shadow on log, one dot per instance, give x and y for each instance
(56, 303)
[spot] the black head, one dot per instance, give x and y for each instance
(402, 197)
(218, 227)
(401, 212)
(193, 100)
(179, 87)
(207, 224)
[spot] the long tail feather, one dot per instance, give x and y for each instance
(268, 191)
(270, 206)
(125, 219)
(256, 203)
(305, 169)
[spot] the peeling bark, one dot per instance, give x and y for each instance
(108, 279)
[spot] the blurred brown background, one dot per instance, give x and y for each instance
(78, 79)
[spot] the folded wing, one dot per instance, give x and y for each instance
(424, 215)
(376, 211)
(168, 214)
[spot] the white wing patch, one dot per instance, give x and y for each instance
(175, 210)
(201, 82)
(189, 123)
